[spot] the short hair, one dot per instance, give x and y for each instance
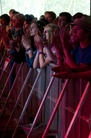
(6, 18)
(13, 11)
(77, 15)
(67, 15)
(44, 21)
(53, 14)
(29, 18)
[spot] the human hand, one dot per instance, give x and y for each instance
(65, 37)
(56, 42)
(62, 68)
(26, 42)
(62, 75)
(39, 42)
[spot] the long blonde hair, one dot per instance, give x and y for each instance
(50, 31)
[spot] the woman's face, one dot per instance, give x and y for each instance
(48, 32)
(15, 22)
(33, 29)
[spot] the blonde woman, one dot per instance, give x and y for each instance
(46, 52)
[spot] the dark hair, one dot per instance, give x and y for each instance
(53, 14)
(77, 15)
(40, 24)
(29, 18)
(6, 18)
(67, 15)
(41, 17)
(44, 21)
(13, 11)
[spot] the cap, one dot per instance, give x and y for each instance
(84, 21)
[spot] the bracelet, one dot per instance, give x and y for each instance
(48, 45)
(29, 49)
(41, 53)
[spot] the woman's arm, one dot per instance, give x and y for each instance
(27, 45)
(43, 61)
(36, 61)
(50, 54)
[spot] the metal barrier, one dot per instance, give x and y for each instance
(8, 78)
(26, 103)
(40, 107)
(18, 98)
(10, 92)
(46, 91)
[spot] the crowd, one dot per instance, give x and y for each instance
(64, 40)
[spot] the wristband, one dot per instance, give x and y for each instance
(41, 53)
(48, 45)
(29, 49)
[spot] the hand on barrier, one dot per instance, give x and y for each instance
(62, 75)
(61, 68)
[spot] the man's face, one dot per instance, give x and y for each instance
(62, 21)
(48, 18)
(77, 34)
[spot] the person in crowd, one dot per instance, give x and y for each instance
(28, 43)
(12, 12)
(4, 22)
(17, 50)
(41, 17)
(34, 28)
(4, 19)
(28, 19)
(79, 60)
(45, 53)
(56, 20)
(50, 16)
(77, 15)
(30, 29)
(64, 19)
